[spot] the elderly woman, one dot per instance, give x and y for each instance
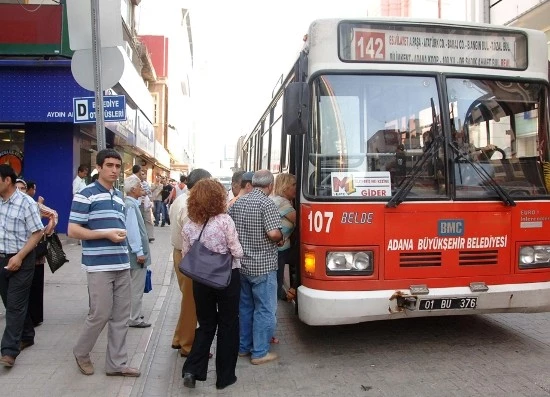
(215, 308)
(283, 193)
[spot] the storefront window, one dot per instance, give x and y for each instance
(12, 140)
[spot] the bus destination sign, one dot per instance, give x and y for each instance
(415, 45)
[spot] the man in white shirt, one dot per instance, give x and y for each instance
(79, 181)
(179, 189)
(184, 334)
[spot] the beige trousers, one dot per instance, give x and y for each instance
(184, 335)
(148, 220)
(109, 294)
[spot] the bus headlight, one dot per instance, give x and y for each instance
(534, 256)
(349, 263)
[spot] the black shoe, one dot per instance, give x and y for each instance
(143, 324)
(220, 387)
(25, 343)
(162, 225)
(189, 380)
(151, 240)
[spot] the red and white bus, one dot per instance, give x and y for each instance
(421, 151)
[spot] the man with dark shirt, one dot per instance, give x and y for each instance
(166, 190)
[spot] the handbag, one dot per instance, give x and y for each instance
(41, 248)
(205, 266)
(55, 255)
(148, 282)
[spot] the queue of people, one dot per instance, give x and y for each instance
(253, 222)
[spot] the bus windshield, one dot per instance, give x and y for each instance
(496, 125)
(371, 128)
(370, 133)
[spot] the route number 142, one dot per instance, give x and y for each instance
(369, 46)
(320, 221)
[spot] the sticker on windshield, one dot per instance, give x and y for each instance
(361, 184)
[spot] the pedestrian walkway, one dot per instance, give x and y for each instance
(48, 368)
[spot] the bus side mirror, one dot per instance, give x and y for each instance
(296, 109)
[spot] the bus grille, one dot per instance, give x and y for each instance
(420, 259)
(469, 258)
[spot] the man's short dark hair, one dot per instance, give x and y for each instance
(82, 168)
(107, 153)
(196, 175)
(245, 182)
(237, 177)
(183, 179)
(31, 185)
(136, 168)
(5, 171)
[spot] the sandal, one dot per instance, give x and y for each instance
(290, 294)
(274, 341)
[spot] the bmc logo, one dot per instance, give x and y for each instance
(450, 227)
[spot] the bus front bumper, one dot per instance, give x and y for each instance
(319, 307)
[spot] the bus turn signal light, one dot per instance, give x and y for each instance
(309, 263)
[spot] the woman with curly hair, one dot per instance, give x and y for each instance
(215, 308)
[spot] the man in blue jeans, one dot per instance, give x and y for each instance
(259, 227)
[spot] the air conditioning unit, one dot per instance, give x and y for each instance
(128, 49)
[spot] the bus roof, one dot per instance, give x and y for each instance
(495, 50)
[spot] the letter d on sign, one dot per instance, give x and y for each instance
(81, 110)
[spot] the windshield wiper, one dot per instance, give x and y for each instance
(404, 190)
(435, 144)
(484, 176)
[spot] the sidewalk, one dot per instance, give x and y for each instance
(48, 368)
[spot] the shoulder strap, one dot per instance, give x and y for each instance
(203, 226)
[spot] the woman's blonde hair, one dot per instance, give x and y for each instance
(282, 182)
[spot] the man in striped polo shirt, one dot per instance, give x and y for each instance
(97, 218)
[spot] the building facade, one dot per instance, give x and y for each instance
(532, 14)
(38, 133)
(171, 46)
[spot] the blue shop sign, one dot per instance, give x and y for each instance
(38, 94)
(114, 109)
(126, 128)
(145, 134)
